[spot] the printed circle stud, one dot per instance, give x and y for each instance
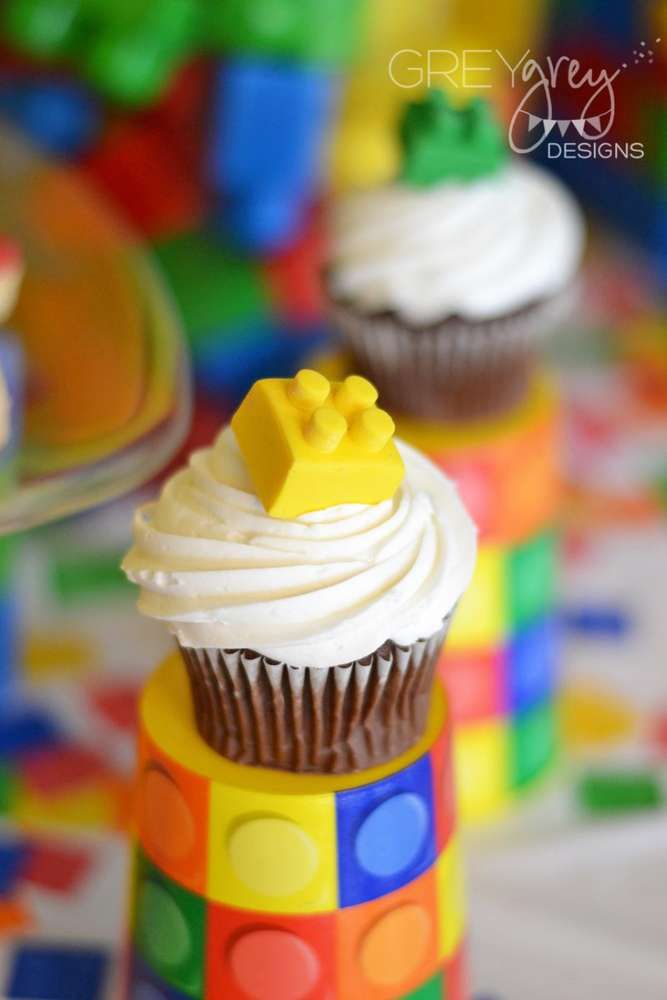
(392, 835)
(273, 856)
(162, 930)
(395, 945)
(272, 964)
(167, 823)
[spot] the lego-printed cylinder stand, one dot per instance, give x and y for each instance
(252, 883)
(500, 664)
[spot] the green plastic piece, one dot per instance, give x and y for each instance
(132, 64)
(8, 547)
(87, 576)
(8, 790)
(661, 490)
(42, 28)
(215, 288)
(533, 743)
(619, 792)
(169, 929)
(329, 32)
(442, 143)
(434, 989)
(532, 579)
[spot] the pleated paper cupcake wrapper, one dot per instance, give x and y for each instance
(326, 720)
(456, 370)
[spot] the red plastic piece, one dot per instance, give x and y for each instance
(61, 769)
(117, 705)
(294, 275)
(475, 683)
(136, 166)
(57, 867)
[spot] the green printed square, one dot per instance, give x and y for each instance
(532, 571)
(81, 576)
(214, 287)
(533, 743)
(434, 989)
(169, 928)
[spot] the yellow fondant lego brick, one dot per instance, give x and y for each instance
(482, 763)
(309, 443)
(451, 900)
(280, 862)
(481, 618)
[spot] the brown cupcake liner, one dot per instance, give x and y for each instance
(455, 370)
(331, 720)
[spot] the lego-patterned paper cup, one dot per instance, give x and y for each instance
(454, 370)
(335, 720)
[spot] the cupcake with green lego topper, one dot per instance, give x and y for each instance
(445, 282)
(308, 565)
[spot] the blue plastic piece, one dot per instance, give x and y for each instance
(532, 665)
(60, 117)
(9, 644)
(42, 972)
(265, 220)
(12, 365)
(609, 622)
(229, 367)
(23, 729)
(13, 854)
(386, 833)
(146, 985)
(619, 195)
(269, 123)
(623, 22)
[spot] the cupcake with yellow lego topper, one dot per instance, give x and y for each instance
(445, 281)
(308, 565)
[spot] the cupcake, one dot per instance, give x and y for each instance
(445, 282)
(310, 629)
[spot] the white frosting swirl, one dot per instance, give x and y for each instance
(480, 250)
(322, 589)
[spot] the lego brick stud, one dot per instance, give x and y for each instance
(355, 394)
(372, 429)
(308, 389)
(325, 430)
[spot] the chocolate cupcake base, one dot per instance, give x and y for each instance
(331, 720)
(454, 370)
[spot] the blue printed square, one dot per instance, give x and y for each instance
(44, 972)
(386, 833)
(532, 665)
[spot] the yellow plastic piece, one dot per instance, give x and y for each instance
(57, 653)
(451, 900)
(167, 719)
(482, 765)
(481, 619)
(306, 450)
(89, 808)
(284, 862)
(592, 718)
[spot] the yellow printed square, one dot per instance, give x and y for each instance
(278, 861)
(482, 616)
(450, 884)
(482, 764)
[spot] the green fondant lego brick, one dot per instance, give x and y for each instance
(328, 32)
(434, 989)
(532, 579)
(83, 576)
(619, 792)
(533, 740)
(214, 287)
(169, 928)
